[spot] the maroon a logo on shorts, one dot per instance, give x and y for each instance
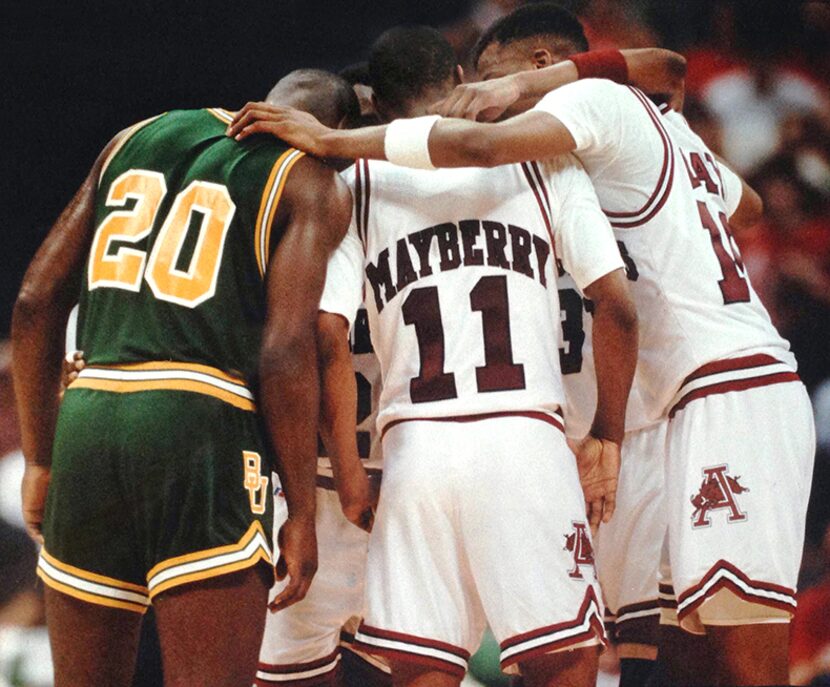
(579, 544)
(718, 490)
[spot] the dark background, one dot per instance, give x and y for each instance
(78, 72)
(75, 73)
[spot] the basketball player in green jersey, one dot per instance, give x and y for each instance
(199, 263)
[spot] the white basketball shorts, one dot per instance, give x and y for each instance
(628, 548)
(302, 642)
(479, 521)
(740, 463)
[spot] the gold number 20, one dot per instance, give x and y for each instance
(124, 267)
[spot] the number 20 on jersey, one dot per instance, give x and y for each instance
(124, 267)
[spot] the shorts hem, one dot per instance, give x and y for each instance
(724, 575)
(302, 674)
(586, 626)
(404, 647)
(91, 587)
(635, 611)
(635, 623)
(347, 643)
(252, 548)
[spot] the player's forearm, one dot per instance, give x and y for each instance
(37, 350)
(290, 403)
(534, 84)
(615, 338)
(338, 406)
(353, 144)
(452, 143)
(654, 70)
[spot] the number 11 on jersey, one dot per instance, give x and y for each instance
(421, 309)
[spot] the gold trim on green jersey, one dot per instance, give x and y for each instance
(268, 205)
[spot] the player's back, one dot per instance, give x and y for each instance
(183, 217)
(665, 196)
(461, 287)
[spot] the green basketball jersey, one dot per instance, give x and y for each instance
(182, 241)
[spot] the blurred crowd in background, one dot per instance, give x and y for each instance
(758, 93)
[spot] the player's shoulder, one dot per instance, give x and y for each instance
(566, 174)
(590, 90)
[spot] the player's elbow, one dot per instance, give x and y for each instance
(749, 211)
(621, 312)
(30, 306)
(615, 307)
(289, 357)
(674, 63)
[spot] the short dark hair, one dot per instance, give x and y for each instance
(406, 60)
(528, 21)
(327, 96)
(356, 73)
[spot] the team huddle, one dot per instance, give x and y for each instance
(538, 330)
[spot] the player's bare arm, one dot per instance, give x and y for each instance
(654, 70)
(49, 291)
(451, 142)
(315, 212)
(338, 410)
(750, 209)
(615, 336)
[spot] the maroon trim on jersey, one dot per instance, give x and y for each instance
(285, 669)
(545, 210)
(412, 656)
(685, 607)
(557, 420)
(368, 190)
(629, 220)
(748, 362)
(358, 201)
(595, 629)
(534, 166)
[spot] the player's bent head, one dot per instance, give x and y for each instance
(411, 67)
(329, 97)
(530, 37)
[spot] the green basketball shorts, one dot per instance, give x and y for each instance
(156, 482)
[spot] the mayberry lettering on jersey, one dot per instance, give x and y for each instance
(469, 243)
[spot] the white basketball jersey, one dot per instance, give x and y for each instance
(668, 201)
(460, 282)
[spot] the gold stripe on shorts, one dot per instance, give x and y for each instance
(221, 560)
(167, 376)
(91, 587)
